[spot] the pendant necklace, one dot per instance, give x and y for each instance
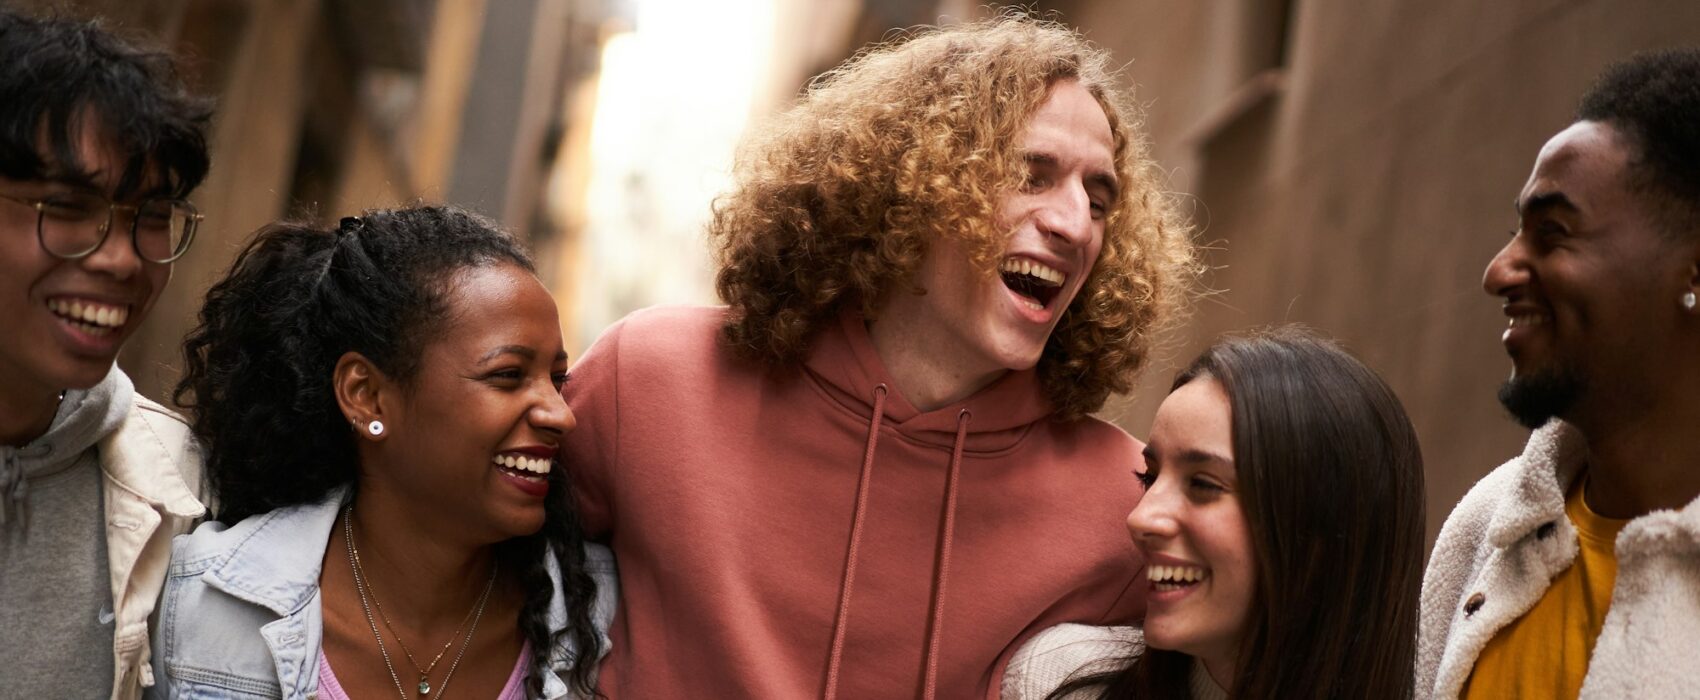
(363, 584)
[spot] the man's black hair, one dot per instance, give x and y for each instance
(57, 72)
(1653, 98)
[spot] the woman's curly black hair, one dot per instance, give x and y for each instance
(258, 380)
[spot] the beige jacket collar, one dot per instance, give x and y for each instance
(152, 472)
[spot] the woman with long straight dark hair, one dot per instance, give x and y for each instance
(1282, 528)
(381, 409)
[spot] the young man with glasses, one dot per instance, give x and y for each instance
(99, 145)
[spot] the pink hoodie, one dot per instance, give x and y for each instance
(778, 537)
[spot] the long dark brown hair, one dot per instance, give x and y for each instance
(1331, 480)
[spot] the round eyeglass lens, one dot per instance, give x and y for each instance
(73, 225)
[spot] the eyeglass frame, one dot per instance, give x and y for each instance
(40, 207)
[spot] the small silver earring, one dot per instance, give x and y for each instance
(1688, 300)
(376, 428)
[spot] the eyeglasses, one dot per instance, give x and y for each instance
(74, 225)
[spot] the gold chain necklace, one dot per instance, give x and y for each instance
(362, 583)
(424, 673)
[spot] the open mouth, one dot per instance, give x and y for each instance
(1174, 578)
(524, 466)
(1034, 283)
(1525, 321)
(1521, 322)
(88, 316)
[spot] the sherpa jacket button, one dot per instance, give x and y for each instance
(1474, 604)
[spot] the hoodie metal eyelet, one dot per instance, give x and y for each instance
(1473, 604)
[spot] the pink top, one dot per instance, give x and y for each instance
(330, 689)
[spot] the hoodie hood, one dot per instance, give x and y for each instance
(85, 416)
(845, 365)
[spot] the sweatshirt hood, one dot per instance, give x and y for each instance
(843, 362)
(84, 417)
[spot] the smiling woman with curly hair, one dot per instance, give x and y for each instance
(852, 480)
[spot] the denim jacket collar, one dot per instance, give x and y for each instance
(275, 563)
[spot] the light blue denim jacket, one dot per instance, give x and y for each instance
(240, 616)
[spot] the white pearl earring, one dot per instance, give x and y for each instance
(1688, 300)
(376, 428)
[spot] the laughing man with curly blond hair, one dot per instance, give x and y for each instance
(873, 474)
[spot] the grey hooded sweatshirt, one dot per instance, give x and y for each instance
(55, 591)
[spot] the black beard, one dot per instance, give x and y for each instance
(1537, 398)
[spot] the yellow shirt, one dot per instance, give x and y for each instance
(1544, 654)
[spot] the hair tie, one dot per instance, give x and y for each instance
(349, 225)
(344, 233)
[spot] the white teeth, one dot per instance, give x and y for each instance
(90, 314)
(1023, 266)
(1525, 320)
(1174, 574)
(536, 465)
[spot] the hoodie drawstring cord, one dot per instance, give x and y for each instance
(12, 489)
(935, 620)
(841, 620)
(14, 485)
(947, 529)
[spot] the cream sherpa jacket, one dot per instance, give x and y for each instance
(1504, 543)
(1068, 651)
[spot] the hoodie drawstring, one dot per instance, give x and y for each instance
(935, 620)
(840, 621)
(14, 485)
(946, 535)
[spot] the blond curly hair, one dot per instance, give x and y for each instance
(915, 140)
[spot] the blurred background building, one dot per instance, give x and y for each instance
(1351, 163)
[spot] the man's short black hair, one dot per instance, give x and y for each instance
(56, 72)
(1654, 98)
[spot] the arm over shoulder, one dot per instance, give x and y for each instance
(1066, 652)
